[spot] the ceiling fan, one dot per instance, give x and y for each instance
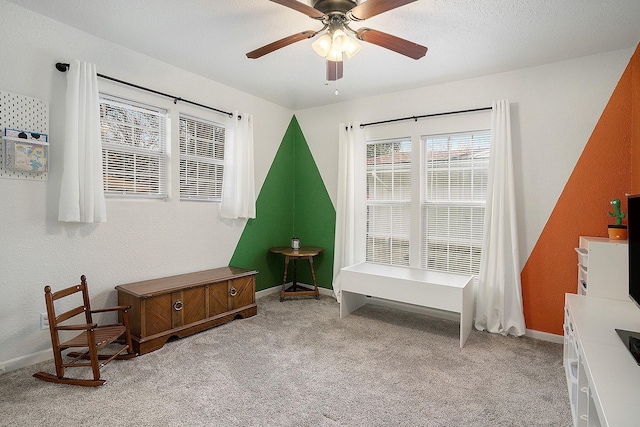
(335, 16)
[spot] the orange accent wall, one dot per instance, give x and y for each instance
(603, 172)
(635, 147)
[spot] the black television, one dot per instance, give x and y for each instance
(633, 221)
(631, 339)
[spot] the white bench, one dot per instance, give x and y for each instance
(442, 291)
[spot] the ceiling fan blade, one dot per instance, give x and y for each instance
(280, 44)
(301, 7)
(375, 7)
(396, 44)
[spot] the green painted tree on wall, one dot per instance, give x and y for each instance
(293, 202)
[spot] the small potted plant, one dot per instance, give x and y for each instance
(617, 231)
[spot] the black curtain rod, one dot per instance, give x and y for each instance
(63, 67)
(415, 118)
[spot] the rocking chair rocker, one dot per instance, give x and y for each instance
(91, 339)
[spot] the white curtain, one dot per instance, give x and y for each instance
(499, 297)
(81, 190)
(238, 188)
(345, 252)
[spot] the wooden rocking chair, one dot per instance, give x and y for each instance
(90, 340)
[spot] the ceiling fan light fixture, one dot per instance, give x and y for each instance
(339, 40)
(322, 45)
(353, 47)
(332, 46)
(334, 55)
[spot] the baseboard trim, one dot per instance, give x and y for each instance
(433, 312)
(27, 360)
(268, 291)
(448, 315)
(277, 289)
(545, 336)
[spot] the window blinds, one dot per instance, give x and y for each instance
(388, 201)
(454, 193)
(201, 159)
(134, 157)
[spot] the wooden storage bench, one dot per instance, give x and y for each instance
(185, 304)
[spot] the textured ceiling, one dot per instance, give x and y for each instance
(466, 38)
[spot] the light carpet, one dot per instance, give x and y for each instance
(298, 364)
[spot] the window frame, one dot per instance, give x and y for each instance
(110, 147)
(388, 235)
(201, 162)
(451, 124)
(467, 210)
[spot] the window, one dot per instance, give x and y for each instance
(388, 201)
(455, 170)
(201, 159)
(429, 216)
(134, 157)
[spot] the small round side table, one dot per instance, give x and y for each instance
(305, 252)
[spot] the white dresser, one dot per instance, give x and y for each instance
(603, 379)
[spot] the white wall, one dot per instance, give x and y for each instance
(140, 240)
(554, 109)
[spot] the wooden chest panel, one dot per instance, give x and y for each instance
(157, 315)
(185, 304)
(218, 298)
(188, 306)
(244, 292)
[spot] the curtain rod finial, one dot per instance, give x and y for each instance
(62, 67)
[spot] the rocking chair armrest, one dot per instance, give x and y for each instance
(116, 308)
(79, 327)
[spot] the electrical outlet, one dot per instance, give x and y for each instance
(44, 321)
